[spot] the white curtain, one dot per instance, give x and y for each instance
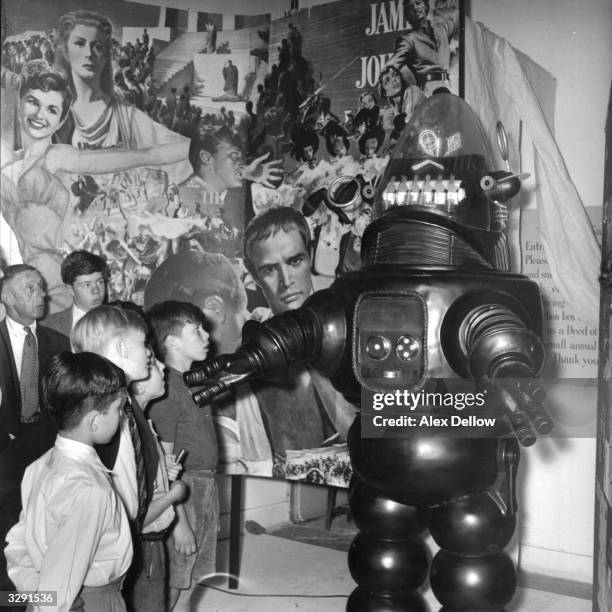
(498, 88)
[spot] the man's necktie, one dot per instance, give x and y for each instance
(141, 477)
(28, 379)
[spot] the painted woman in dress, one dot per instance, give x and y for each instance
(99, 118)
(401, 96)
(35, 201)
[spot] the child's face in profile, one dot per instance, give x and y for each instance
(155, 385)
(107, 420)
(137, 365)
(193, 341)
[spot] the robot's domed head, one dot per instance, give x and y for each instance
(437, 164)
(443, 126)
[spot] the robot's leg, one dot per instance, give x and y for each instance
(387, 558)
(471, 571)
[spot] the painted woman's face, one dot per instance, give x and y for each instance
(40, 112)
(86, 52)
(392, 83)
(368, 101)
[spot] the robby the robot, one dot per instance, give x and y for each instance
(433, 317)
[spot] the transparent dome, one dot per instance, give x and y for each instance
(437, 164)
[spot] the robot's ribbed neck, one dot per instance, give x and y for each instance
(408, 237)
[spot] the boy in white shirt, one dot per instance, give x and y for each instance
(73, 535)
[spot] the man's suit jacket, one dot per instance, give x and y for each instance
(49, 343)
(60, 321)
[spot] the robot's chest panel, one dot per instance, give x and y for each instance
(390, 348)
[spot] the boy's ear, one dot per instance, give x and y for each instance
(92, 419)
(171, 342)
(122, 349)
(215, 308)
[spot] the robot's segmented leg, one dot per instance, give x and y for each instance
(387, 558)
(472, 571)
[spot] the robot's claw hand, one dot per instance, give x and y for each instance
(201, 375)
(215, 387)
(532, 397)
(237, 363)
(519, 421)
(522, 404)
(217, 376)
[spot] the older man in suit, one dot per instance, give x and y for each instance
(26, 349)
(86, 275)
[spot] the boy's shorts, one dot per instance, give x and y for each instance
(202, 509)
(101, 599)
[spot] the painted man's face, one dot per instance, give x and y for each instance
(282, 269)
(416, 11)
(227, 164)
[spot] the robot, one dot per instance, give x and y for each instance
(434, 312)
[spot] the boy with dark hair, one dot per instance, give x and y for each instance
(209, 281)
(181, 340)
(73, 536)
(81, 262)
(86, 275)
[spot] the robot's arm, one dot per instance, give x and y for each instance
(505, 357)
(315, 334)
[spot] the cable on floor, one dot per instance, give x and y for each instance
(288, 595)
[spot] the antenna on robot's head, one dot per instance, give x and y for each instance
(502, 141)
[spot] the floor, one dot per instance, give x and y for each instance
(304, 568)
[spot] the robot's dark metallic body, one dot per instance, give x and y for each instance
(435, 309)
